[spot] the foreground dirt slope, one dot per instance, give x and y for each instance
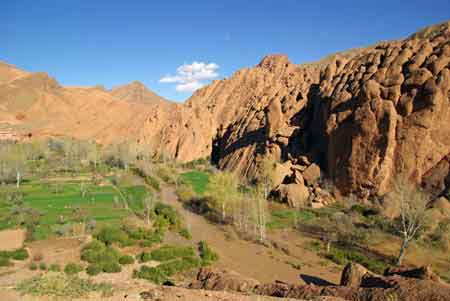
(363, 116)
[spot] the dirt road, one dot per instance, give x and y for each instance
(255, 260)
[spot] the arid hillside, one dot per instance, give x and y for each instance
(357, 118)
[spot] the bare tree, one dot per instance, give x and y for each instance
(260, 211)
(412, 217)
(148, 207)
(266, 174)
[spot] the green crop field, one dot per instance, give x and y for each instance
(197, 179)
(63, 203)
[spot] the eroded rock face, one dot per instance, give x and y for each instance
(357, 119)
(357, 284)
(365, 117)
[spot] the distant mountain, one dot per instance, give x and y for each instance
(136, 92)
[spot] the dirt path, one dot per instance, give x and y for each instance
(11, 239)
(254, 260)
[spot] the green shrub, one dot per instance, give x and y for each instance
(185, 233)
(43, 266)
(343, 257)
(111, 267)
(99, 253)
(144, 257)
(33, 266)
(207, 255)
(171, 252)
(5, 262)
(54, 267)
(167, 212)
(110, 235)
(152, 274)
(72, 268)
(19, 254)
(185, 193)
(126, 259)
(153, 182)
(62, 286)
(95, 245)
(162, 272)
(93, 269)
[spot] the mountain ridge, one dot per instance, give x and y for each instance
(325, 111)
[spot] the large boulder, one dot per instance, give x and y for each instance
(443, 205)
(311, 174)
(353, 275)
(424, 273)
(280, 172)
(295, 195)
(223, 280)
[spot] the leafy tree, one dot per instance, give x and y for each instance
(222, 190)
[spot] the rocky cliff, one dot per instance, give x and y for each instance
(358, 118)
(364, 116)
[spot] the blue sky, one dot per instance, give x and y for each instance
(115, 42)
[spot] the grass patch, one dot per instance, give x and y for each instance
(61, 285)
(197, 179)
(166, 253)
(52, 207)
(207, 255)
(162, 272)
(287, 218)
(342, 257)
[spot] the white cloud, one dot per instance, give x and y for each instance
(189, 77)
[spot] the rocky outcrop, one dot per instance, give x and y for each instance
(357, 119)
(223, 280)
(353, 275)
(357, 284)
(364, 117)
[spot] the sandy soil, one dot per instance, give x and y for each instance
(11, 239)
(255, 260)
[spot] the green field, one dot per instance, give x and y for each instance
(287, 218)
(62, 204)
(197, 179)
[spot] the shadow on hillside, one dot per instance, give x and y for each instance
(315, 280)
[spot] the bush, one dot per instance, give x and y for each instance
(111, 267)
(62, 286)
(185, 233)
(162, 272)
(144, 257)
(93, 269)
(167, 212)
(167, 252)
(54, 267)
(153, 182)
(110, 235)
(33, 266)
(5, 262)
(19, 254)
(72, 268)
(126, 259)
(185, 193)
(343, 257)
(43, 266)
(207, 255)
